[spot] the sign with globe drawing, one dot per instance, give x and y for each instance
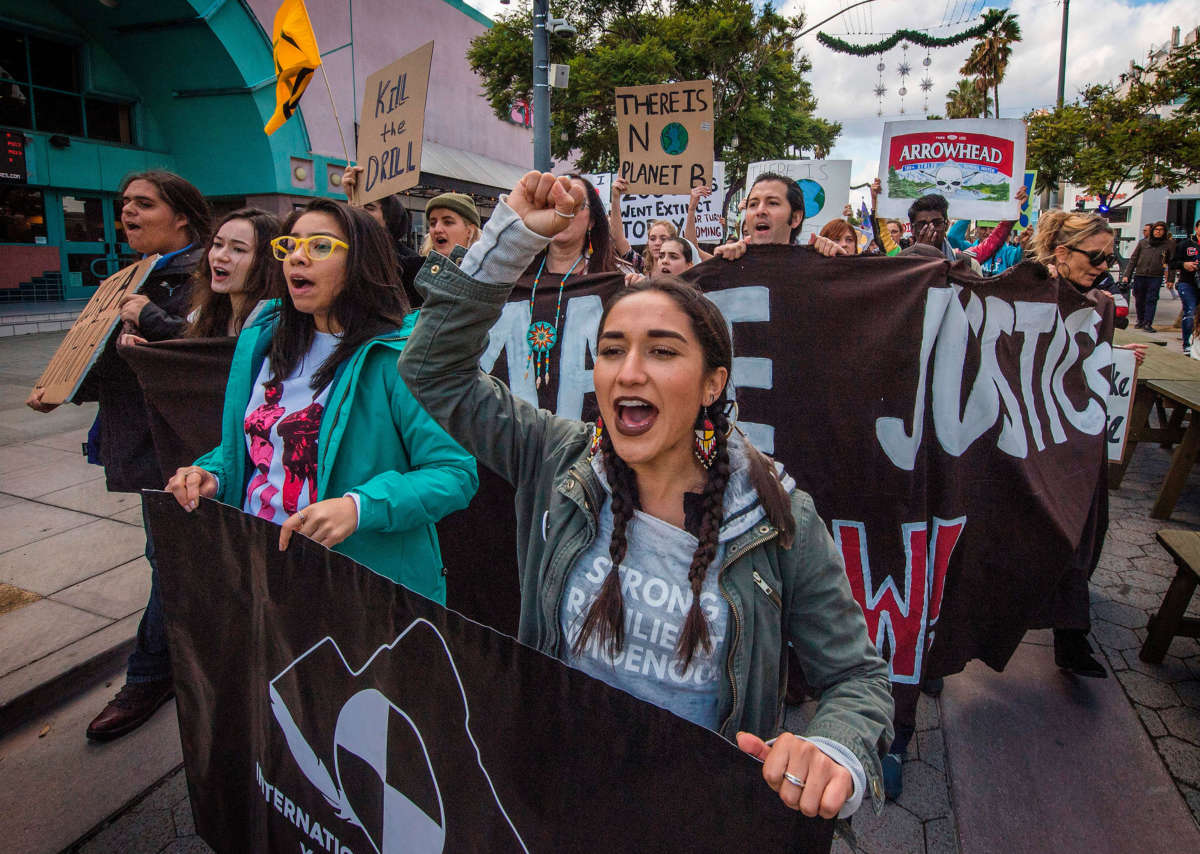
(825, 184)
(666, 136)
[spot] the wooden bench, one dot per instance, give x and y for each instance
(1169, 622)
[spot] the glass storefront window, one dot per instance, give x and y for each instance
(83, 219)
(109, 120)
(58, 113)
(22, 215)
(54, 101)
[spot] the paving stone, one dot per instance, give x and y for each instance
(25, 456)
(148, 831)
(1189, 692)
(190, 845)
(1142, 599)
(115, 594)
(1153, 723)
(92, 497)
(1192, 797)
(1114, 637)
(185, 825)
(1183, 759)
(1147, 690)
(1182, 722)
(39, 629)
(167, 795)
(1129, 536)
(1121, 615)
(940, 837)
(894, 830)
(132, 516)
(28, 521)
(34, 482)
(1172, 669)
(1118, 548)
(1112, 562)
(932, 748)
(60, 561)
(1145, 523)
(1184, 647)
(928, 716)
(925, 794)
(1156, 568)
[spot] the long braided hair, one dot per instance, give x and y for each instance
(604, 620)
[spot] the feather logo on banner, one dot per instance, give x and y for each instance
(294, 49)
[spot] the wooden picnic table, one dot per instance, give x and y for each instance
(1163, 379)
(1186, 396)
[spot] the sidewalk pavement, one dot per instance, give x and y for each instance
(1031, 754)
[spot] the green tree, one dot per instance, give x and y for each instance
(966, 101)
(763, 106)
(988, 60)
(1142, 134)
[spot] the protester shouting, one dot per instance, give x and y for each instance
(676, 256)
(237, 274)
(391, 213)
(164, 215)
(1077, 248)
(318, 433)
(451, 220)
(774, 214)
(661, 492)
(1145, 268)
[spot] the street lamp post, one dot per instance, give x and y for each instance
(541, 86)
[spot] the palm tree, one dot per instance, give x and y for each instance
(967, 101)
(988, 60)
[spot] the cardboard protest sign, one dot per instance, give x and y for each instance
(358, 716)
(639, 210)
(391, 127)
(976, 164)
(825, 184)
(666, 136)
(1121, 389)
(84, 341)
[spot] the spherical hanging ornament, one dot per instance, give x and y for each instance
(927, 61)
(880, 68)
(903, 91)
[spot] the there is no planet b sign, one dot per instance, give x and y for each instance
(666, 136)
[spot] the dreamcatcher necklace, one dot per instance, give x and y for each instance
(542, 336)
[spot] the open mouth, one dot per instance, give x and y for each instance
(299, 285)
(219, 274)
(441, 243)
(635, 416)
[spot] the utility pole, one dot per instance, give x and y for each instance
(541, 86)
(1062, 54)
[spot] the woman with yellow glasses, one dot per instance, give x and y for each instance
(319, 435)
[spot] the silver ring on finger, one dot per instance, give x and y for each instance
(793, 779)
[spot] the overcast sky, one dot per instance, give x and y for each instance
(1103, 36)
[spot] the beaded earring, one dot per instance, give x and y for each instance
(705, 446)
(597, 437)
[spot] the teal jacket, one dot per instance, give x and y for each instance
(375, 440)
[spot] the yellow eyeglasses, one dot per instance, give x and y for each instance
(318, 247)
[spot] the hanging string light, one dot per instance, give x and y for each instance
(903, 69)
(880, 89)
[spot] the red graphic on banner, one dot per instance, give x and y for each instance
(968, 149)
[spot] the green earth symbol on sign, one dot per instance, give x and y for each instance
(814, 196)
(674, 138)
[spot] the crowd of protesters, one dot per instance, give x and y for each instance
(323, 305)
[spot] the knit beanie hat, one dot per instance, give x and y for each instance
(460, 203)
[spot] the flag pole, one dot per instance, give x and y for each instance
(345, 150)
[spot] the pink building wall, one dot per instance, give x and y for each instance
(456, 112)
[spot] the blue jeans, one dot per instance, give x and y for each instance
(1145, 297)
(1187, 295)
(149, 660)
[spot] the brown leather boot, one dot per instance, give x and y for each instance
(132, 707)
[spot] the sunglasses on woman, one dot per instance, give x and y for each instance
(317, 247)
(1096, 258)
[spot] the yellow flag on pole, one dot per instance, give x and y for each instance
(294, 48)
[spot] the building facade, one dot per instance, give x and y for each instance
(92, 90)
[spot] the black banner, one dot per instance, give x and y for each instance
(324, 707)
